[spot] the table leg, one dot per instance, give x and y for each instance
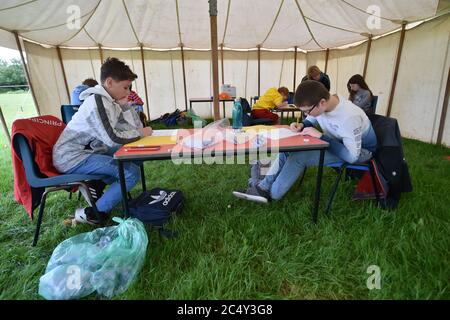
(318, 187)
(144, 187)
(123, 190)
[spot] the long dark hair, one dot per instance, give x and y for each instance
(359, 80)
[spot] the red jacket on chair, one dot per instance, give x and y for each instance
(42, 133)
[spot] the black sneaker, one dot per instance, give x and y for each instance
(96, 188)
(253, 193)
(87, 215)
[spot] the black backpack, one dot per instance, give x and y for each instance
(157, 206)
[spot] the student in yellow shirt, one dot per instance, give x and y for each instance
(272, 98)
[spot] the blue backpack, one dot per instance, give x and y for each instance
(157, 206)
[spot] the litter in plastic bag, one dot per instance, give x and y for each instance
(106, 260)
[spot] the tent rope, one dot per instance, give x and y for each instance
(131, 23)
(274, 21)
(52, 27)
(334, 27)
(178, 22)
(92, 64)
(90, 37)
(93, 12)
(18, 5)
(365, 12)
(307, 25)
(226, 22)
(282, 67)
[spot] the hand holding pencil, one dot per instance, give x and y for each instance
(297, 126)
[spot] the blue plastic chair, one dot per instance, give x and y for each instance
(373, 104)
(67, 112)
(37, 179)
(247, 119)
(341, 166)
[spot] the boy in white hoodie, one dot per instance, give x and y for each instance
(96, 131)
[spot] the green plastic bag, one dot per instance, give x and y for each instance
(105, 260)
(195, 118)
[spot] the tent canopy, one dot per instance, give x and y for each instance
(243, 24)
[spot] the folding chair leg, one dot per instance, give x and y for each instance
(333, 191)
(39, 221)
(374, 182)
(70, 195)
(79, 194)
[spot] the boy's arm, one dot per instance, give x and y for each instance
(350, 148)
(108, 131)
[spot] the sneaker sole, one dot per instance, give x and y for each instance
(245, 196)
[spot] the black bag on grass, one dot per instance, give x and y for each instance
(155, 207)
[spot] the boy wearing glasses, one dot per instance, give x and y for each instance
(345, 127)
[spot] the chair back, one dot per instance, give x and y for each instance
(245, 106)
(67, 112)
(290, 98)
(23, 151)
(373, 104)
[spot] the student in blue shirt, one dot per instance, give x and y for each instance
(75, 97)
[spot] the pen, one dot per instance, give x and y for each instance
(137, 148)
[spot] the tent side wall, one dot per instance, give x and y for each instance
(417, 103)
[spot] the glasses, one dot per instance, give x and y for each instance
(307, 112)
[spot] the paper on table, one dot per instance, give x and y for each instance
(278, 133)
(200, 140)
(165, 133)
(258, 128)
(153, 141)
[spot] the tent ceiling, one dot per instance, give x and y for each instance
(242, 24)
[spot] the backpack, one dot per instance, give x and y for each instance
(170, 119)
(157, 206)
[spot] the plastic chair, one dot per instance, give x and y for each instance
(67, 112)
(247, 119)
(373, 104)
(253, 99)
(342, 166)
(36, 179)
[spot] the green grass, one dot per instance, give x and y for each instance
(232, 249)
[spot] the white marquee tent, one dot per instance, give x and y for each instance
(401, 46)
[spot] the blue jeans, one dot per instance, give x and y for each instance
(289, 166)
(104, 164)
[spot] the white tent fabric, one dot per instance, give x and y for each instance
(243, 24)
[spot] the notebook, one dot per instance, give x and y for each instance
(153, 141)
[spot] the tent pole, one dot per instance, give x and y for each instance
(101, 53)
(25, 68)
(366, 61)
(327, 54)
(444, 110)
(295, 66)
(145, 81)
(221, 58)
(259, 70)
(184, 76)
(397, 64)
(58, 49)
(5, 127)
(214, 56)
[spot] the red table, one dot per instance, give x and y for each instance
(223, 148)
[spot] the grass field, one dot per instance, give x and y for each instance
(231, 249)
